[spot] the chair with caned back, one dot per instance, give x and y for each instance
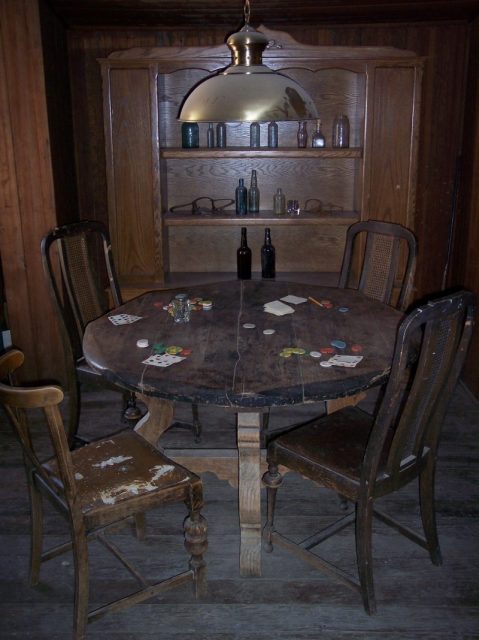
(83, 283)
(101, 484)
(365, 457)
(380, 260)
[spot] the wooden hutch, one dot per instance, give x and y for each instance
(148, 172)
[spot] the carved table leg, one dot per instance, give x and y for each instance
(157, 419)
(249, 493)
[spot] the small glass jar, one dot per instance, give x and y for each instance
(190, 135)
(341, 132)
(181, 308)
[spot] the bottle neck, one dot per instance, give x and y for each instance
(244, 242)
(267, 236)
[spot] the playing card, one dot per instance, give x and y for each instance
(164, 360)
(278, 308)
(123, 318)
(345, 361)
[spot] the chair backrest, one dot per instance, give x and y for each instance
(380, 260)
(430, 350)
(18, 402)
(80, 275)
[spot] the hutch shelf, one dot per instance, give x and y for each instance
(148, 173)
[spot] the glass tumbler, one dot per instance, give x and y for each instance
(181, 308)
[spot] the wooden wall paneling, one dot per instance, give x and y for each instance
(465, 260)
(131, 131)
(28, 206)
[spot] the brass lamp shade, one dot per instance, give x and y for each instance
(247, 90)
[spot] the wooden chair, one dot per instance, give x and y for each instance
(377, 271)
(367, 457)
(373, 263)
(84, 286)
(96, 486)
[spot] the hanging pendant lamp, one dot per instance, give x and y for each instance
(247, 90)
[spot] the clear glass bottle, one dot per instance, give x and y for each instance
(302, 134)
(341, 132)
(210, 136)
(272, 135)
(253, 194)
(221, 135)
(243, 258)
(279, 202)
(318, 140)
(254, 135)
(268, 257)
(181, 308)
(190, 135)
(241, 198)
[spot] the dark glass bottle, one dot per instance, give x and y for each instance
(268, 257)
(254, 134)
(272, 135)
(221, 135)
(243, 258)
(241, 198)
(253, 194)
(210, 136)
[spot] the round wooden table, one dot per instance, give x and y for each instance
(234, 363)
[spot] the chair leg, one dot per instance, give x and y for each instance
(131, 412)
(272, 479)
(74, 407)
(428, 513)
(36, 510)
(80, 556)
(364, 517)
(196, 543)
(140, 525)
(197, 428)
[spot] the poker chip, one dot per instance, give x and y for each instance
(159, 348)
(315, 354)
(326, 363)
(343, 309)
(356, 348)
(185, 352)
(174, 350)
(142, 343)
(206, 304)
(339, 344)
(325, 350)
(299, 351)
(285, 354)
(268, 332)
(249, 325)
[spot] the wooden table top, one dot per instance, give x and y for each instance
(231, 365)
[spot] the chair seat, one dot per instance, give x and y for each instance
(120, 471)
(329, 450)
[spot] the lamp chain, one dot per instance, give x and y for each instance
(247, 12)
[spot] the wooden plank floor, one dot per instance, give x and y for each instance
(290, 601)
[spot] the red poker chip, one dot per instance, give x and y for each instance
(356, 348)
(327, 350)
(185, 352)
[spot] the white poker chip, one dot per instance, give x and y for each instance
(326, 363)
(268, 332)
(142, 343)
(249, 325)
(315, 354)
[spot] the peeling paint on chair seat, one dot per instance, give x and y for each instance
(161, 470)
(139, 486)
(111, 461)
